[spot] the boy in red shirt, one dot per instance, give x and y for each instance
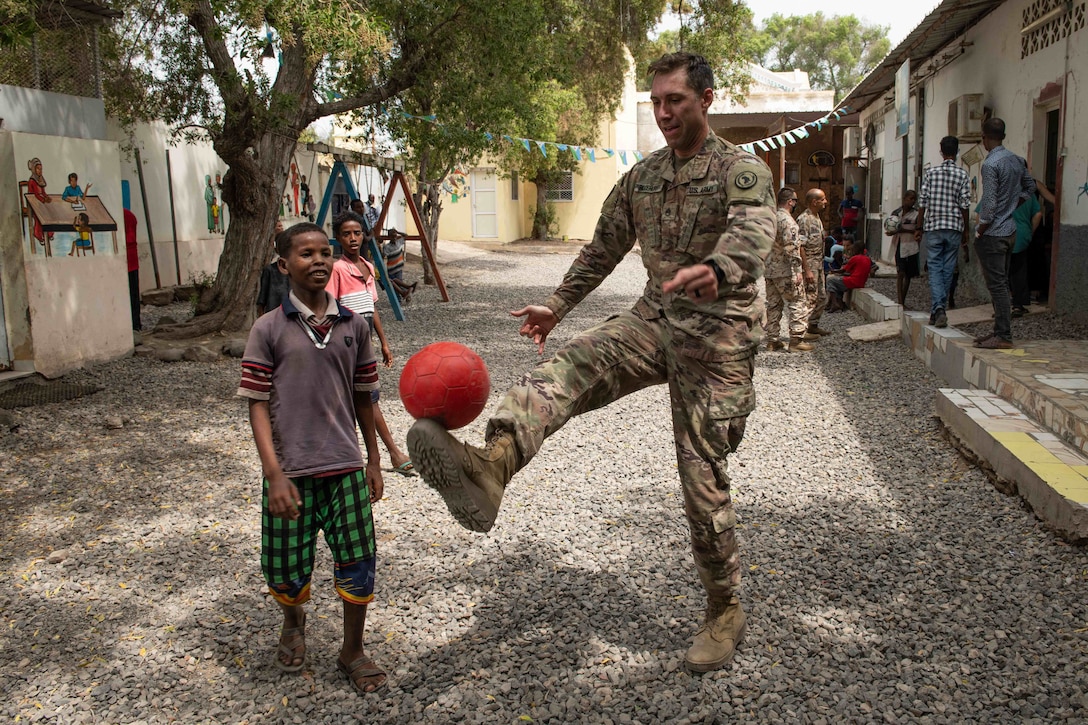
(853, 275)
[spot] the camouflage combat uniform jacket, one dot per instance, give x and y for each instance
(810, 231)
(784, 261)
(718, 207)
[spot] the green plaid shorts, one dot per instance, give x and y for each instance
(339, 506)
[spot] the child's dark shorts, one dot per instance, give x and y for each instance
(338, 505)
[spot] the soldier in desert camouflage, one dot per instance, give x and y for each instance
(703, 213)
(810, 231)
(785, 280)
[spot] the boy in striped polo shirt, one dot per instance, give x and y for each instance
(308, 372)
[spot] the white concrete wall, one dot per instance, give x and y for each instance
(51, 114)
(198, 248)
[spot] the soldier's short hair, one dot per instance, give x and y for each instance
(785, 194)
(700, 76)
(812, 194)
(950, 146)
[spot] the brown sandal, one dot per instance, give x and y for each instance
(362, 668)
(297, 635)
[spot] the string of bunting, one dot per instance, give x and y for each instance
(781, 140)
(579, 152)
(770, 143)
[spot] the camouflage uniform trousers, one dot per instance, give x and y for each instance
(710, 406)
(782, 294)
(815, 293)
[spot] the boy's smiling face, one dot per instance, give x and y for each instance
(309, 262)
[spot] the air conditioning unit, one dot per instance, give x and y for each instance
(965, 117)
(851, 143)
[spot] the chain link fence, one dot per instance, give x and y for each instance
(63, 60)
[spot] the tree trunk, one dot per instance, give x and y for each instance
(251, 195)
(540, 215)
(428, 199)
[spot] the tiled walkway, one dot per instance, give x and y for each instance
(1024, 411)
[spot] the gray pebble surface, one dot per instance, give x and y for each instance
(885, 579)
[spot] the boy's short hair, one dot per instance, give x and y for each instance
(348, 216)
(950, 146)
(284, 239)
(857, 247)
(73, 175)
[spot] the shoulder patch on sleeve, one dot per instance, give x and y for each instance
(750, 181)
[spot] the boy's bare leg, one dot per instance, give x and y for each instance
(292, 649)
(364, 675)
(396, 455)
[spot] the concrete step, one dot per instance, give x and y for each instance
(1051, 476)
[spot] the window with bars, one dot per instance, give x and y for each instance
(561, 190)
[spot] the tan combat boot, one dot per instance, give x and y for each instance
(471, 480)
(817, 330)
(774, 345)
(797, 344)
(719, 636)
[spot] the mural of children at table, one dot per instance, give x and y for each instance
(85, 240)
(36, 186)
(72, 193)
(211, 203)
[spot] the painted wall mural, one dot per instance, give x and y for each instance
(64, 224)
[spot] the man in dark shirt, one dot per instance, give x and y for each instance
(275, 285)
(1005, 183)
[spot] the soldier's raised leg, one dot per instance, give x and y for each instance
(604, 363)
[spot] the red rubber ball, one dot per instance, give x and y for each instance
(447, 382)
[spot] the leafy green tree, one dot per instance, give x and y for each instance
(719, 30)
(836, 51)
(197, 65)
(583, 66)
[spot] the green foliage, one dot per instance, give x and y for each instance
(17, 23)
(719, 30)
(835, 51)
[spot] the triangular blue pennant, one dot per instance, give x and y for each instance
(592, 156)
(561, 146)
(488, 136)
(748, 147)
(543, 150)
(638, 155)
(432, 118)
(577, 152)
(526, 144)
(508, 138)
(761, 145)
(623, 157)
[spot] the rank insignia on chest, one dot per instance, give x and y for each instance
(746, 179)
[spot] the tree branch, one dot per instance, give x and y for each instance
(225, 75)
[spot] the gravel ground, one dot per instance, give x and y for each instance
(885, 579)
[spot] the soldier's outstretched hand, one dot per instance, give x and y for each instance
(539, 321)
(698, 282)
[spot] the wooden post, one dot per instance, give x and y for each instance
(147, 218)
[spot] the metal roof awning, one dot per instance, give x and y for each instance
(944, 24)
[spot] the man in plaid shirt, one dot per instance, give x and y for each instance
(942, 223)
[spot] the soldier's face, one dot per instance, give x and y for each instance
(680, 112)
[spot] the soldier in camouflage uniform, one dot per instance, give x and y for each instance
(785, 280)
(810, 230)
(703, 213)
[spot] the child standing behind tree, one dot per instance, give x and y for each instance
(308, 371)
